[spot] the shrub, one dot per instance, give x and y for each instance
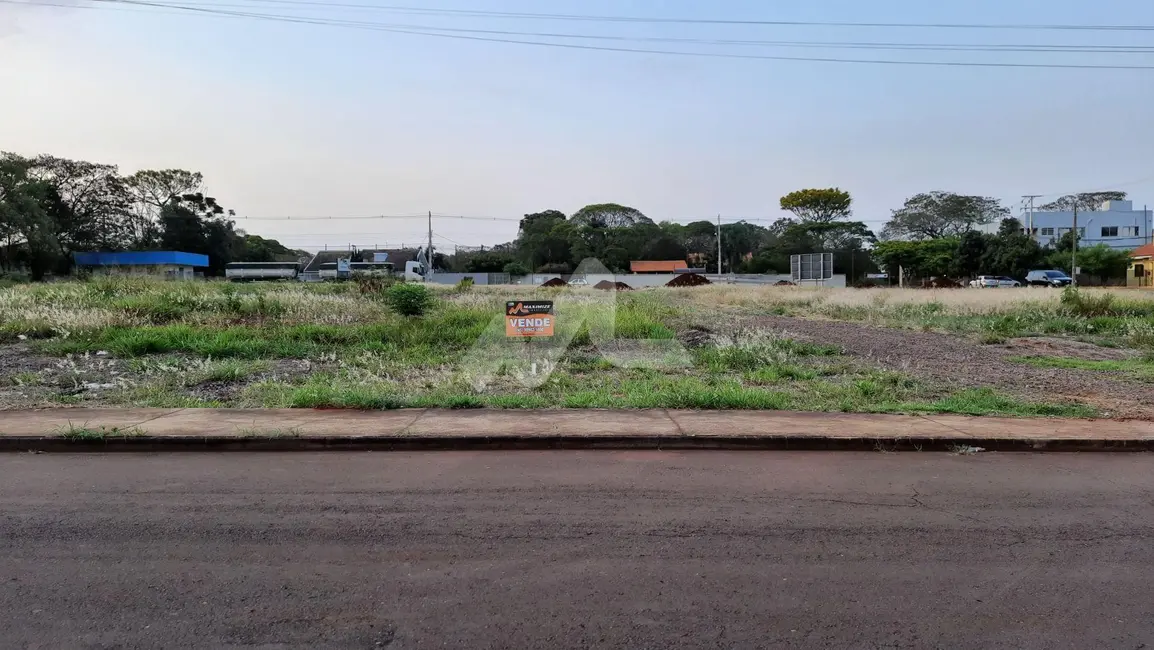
(464, 285)
(1083, 304)
(409, 299)
(373, 285)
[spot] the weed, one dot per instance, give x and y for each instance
(257, 432)
(464, 286)
(779, 372)
(335, 395)
(85, 433)
(26, 378)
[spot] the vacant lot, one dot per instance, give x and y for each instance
(1018, 352)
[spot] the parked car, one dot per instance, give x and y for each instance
(1049, 278)
(993, 282)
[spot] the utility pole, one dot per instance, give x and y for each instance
(429, 251)
(1030, 213)
(1149, 223)
(719, 248)
(1074, 255)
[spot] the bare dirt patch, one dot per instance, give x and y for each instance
(1055, 347)
(961, 363)
(19, 357)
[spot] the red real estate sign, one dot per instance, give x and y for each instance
(529, 318)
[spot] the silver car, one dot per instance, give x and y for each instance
(993, 282)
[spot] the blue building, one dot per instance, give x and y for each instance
(1116, 224)
(172, 265)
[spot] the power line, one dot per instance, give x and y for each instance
(575, 46)
(474, 13)
(864, 45)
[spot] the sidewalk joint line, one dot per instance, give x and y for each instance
(405, 429)
(943, 424)
(676, 425)
(157, 417)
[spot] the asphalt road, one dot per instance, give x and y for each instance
(576, 550)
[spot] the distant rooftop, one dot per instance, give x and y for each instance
(657, 266)
(140, 258)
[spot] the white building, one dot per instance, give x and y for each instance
(1116, 224)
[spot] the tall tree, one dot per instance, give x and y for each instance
(824, 205)
(544, 238)
(150, 191)
(971, 250)
(942, 214)
(94, 202)
(609, 215)
(1011, 252)
(1085, 202)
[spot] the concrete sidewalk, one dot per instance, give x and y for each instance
(413, 429)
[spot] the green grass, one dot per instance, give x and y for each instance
(864, 391)
(182, 335)
(986, 401)
(752, 358)
(334, 395)
(431, 340)
(25, 378)
(1137, 368)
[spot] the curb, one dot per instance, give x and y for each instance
(146, 443)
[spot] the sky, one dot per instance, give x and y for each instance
(289, 119)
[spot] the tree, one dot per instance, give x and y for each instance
(515, 268)
(255, 248)
(942, 214)
(194, 223)
(928, 258)
(95, 200)
(1011, 252)
(700, 237)
(1085, 202)
(488, 262)
(740, 241)
(1098, 260)
(818, 205)
(609, 215)
(969, 254)
(544, 238)
(554, 268)
(30, 209)
(149, 192)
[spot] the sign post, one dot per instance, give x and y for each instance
(527, 320)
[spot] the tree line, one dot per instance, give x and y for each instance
(553, 242)
(51, 207)
(933, 234)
